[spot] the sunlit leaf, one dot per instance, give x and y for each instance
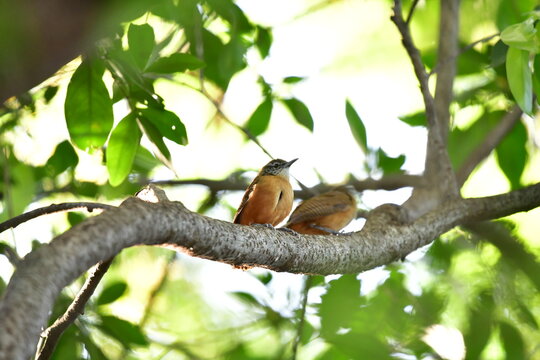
(357, 126)
(88, 107)
(522, 36)
(141, 42)
(520, 77)
(293, 79)
(112, 293)
(168, 124)
(122, 148)
(416, 119)
(340, 301)
(174, 63)
(498, 54)
(300, 112)
(259, 120)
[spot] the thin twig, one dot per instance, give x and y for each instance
(308, 281)
(54, 208)
(52, 334)
(411, 12)
(416, 59)
(492, 139)
(474, 43)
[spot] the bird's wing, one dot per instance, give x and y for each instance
(320, 205)
(249, 191)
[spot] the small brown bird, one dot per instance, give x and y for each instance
(269, 197)
(325, 213)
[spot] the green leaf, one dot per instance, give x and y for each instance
(247, 298)
(300, 112)
(338, 305)
(522, 36)
(64, 156)
(88, 107)
(263, 41)
(122, 148)
(141, 42)
(498, 54)
(112, 293)
(50, 92)
(75, 218)
(520, 78)
(357, 126)
(512, 154)
(174, 63)
(416, 119)
(480, 327)
(526, 315)
(93, 349)
(259, 120)
(536, 78)
(512, 341)
(68, 346)
(362, 346)
(389, 164)
(230, 12)
(155, 137)
(168, 124)
(124, 331)
(293, 79)
(265, 277)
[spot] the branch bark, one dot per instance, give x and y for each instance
(44, 272)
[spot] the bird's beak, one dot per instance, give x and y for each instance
(290, 162)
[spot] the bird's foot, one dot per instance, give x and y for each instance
(268, 226)
(286, 229)
(325, 229)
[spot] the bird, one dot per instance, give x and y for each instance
(268, 200)
(326, 213)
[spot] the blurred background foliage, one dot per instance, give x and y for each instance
(171, 86)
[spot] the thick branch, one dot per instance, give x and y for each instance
(44, 272)
(76, 308)
(492, 139)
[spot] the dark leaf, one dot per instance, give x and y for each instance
(512, 154)
(526, 315)
(389, 164)
(512, 341)
(75, 218)
(265, 277)
(64, 157)
(300, 112)
(498, 54)
(68, 346)
(259, 120)
(168, 124)
(93, 349)
(50, 92)
(263, 41)
(246, 297)
(112, 293)
(519, 77)
(229, 11)
(141, 42)
(480, 327)
(88, 107)
(121, 150)
(124, 331)
(155, 137)
(174, 63)
(357, 126)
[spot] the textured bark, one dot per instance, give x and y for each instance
(42, 274)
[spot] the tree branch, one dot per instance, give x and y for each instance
(52, 334)
(51, 209)
(48, 269)
(492, 139)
